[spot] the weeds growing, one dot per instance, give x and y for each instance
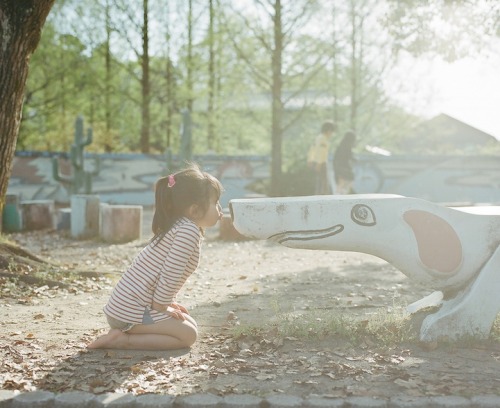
(385, 327)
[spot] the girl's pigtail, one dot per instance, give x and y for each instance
(162, 219)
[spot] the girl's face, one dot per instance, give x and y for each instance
(213, 214)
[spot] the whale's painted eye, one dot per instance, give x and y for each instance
(363, 215)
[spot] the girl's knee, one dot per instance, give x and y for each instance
(190, 336)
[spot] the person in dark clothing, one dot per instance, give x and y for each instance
(342, 163)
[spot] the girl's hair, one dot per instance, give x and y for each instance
(175, 193)
(349, 138)
(328, 127)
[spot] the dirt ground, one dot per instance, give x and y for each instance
(44, 330)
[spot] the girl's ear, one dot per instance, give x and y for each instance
(194, 212)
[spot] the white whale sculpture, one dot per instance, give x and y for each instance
(454, 250)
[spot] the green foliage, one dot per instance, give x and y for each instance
(69, 77)
(452, 29)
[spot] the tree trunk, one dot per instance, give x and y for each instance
(211, 79)
(190, 63)
(277, 104)
(108, 146)
(146, 89)
(354, 69)
(169, 85)
(21, 24)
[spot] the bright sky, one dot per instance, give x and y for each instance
(468, 90)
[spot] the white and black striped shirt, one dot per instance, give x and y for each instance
(156, 275)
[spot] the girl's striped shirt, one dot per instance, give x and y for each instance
(156, 275)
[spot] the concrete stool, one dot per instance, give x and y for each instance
(37, 214)
(63, 219)
(121, 223)
(11, 215)
(84, 216)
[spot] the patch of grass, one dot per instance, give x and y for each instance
(386, 328)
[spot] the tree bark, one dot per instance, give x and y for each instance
(146, 87)
(277, 103)
(189, 65)
(211, 78)
(21, 23)
(108, 146)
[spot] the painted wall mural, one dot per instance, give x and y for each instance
(130, 178)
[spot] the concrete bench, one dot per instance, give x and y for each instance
(11, 215)
(84, 216)
(37, 214)
(120, 223)
(453, 251)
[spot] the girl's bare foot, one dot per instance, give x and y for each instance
(112, 339)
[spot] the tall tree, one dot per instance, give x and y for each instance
(20, 32)
(211, 78)
(277, 38)
(169, 74)
(145, 82)
(132, 25)
(107, 87)
(190, 63)
(277, 103)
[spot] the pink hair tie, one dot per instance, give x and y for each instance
(171, 181)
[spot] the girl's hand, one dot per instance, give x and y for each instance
(176, 313)
(179, 307)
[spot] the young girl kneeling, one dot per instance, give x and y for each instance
(142, 311)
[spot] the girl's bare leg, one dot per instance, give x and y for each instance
(191, 320)
(168, 334)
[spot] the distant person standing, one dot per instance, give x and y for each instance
(317, 157)
(342, 163)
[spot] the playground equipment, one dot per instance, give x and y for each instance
(80, 180)
(453, 250)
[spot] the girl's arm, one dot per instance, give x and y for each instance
(178, 264)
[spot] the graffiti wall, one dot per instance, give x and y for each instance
(130, 178)
(127, 178)
(443, 179)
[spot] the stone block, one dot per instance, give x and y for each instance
(284, 401)
(6, 397)
(242, 401)
(35, 399)
(324, 402)
(121, 223)
(84, 216)
(115, 400)
(74, 399)
(154, 401)
(63, 219)
(198, 401)
(37, 214)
